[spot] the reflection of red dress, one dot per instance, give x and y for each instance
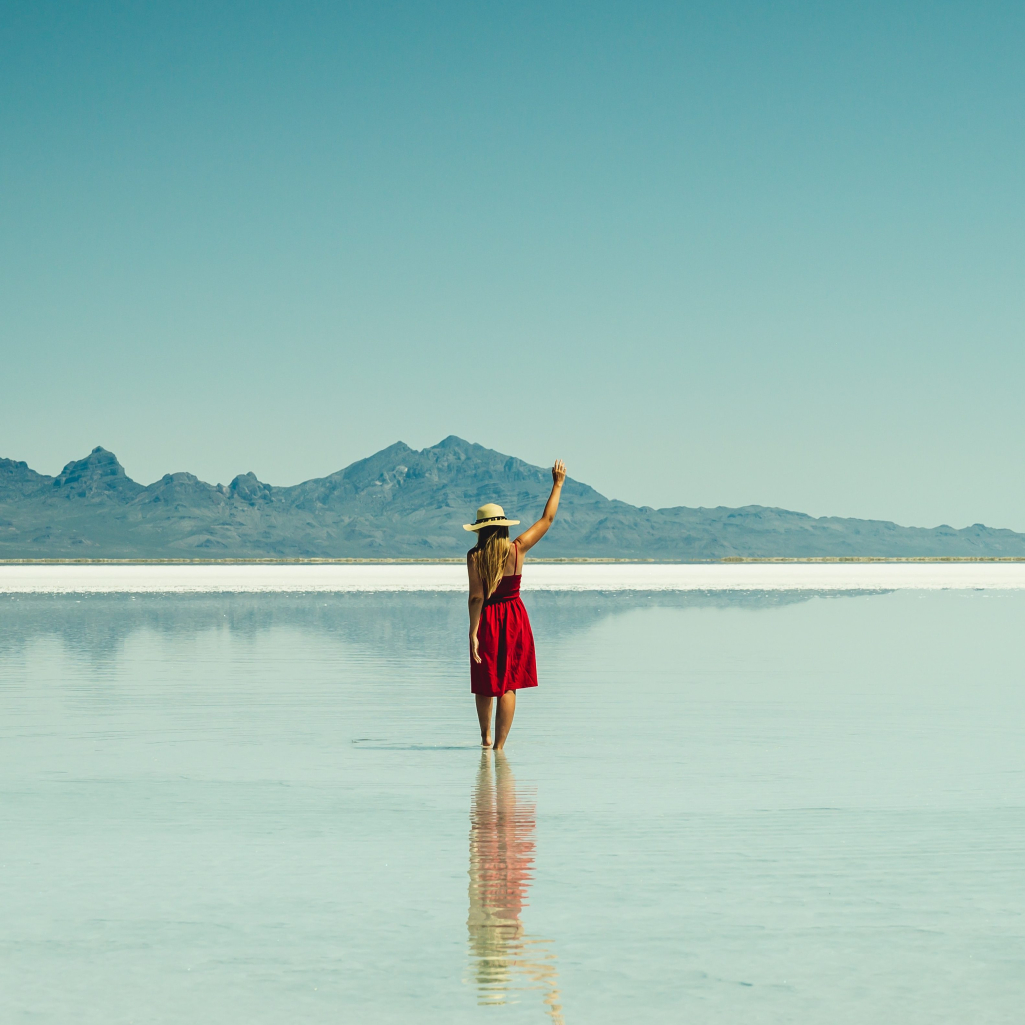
(505, 643)
(503, 957)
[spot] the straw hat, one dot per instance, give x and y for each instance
(490, 515)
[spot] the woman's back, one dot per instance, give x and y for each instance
(508, 588)
(513, 562)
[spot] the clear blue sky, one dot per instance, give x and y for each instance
(709, 254)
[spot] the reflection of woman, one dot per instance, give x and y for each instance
(501, 642)
(501, 868)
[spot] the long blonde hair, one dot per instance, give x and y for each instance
(489, 556)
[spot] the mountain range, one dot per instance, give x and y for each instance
(404, 503)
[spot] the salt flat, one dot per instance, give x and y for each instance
(254, 578)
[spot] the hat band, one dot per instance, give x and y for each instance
(477, 523)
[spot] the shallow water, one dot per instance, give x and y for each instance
(716, 808)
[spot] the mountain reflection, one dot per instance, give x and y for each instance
(410, 624)
(503, 957)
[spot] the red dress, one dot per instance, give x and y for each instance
(505, 643)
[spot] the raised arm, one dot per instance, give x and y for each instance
(532, 535)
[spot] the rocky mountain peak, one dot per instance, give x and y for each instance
(249, 488)
(98, 475)
(17, 479)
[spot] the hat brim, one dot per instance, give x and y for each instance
(490, 523)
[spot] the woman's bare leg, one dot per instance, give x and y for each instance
(504, 718)
(484, 718)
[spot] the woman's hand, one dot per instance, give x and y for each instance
(533, 534)
(474, 650)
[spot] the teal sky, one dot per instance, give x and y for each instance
(712, 253)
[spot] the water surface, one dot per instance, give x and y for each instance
(715, 808)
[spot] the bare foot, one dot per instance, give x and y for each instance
(499, 747)
(485, 740)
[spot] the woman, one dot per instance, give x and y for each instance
(501, 642)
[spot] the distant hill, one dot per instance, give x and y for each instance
(403, 503)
